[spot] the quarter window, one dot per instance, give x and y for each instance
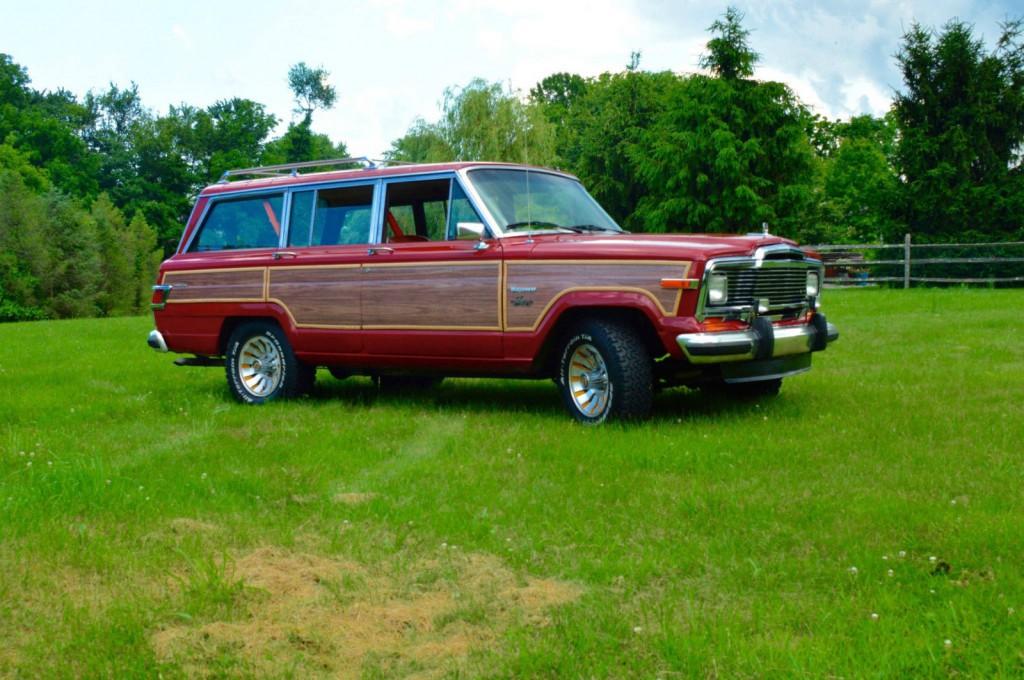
(241, 223)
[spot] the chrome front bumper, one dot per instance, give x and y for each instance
(156, 341)
(760, 341)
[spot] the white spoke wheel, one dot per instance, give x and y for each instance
(588, 381)
(261, 365)
(606, 373)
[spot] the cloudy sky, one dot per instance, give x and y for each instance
(390, 60)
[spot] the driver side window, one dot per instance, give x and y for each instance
(462, 211)
(425, 210)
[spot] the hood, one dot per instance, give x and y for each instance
(697, 247)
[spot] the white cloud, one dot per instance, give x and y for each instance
(401, 25)
(180, 35)
(390, 60)
(862, 95)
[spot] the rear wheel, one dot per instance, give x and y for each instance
(606, 373)
(261, 365)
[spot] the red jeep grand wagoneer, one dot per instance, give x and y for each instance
(416, 272)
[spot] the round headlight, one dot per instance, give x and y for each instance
(718, 289)
(813, 284)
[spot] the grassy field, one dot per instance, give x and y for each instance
(867, 522)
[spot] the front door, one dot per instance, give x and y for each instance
(427, 290)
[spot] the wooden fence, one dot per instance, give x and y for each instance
(860, 264)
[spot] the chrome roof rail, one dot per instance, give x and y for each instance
(293, 168)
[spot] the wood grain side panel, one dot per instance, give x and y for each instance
(322, 296)
(432, 296)
(524, 309)
(222, 285)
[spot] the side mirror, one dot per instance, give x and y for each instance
(471, 230)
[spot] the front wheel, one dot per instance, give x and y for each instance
(606, 373)
(261, 366)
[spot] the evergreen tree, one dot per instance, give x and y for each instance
(729, 56)
(24, 257)
(961, 131)
(71, 283)
(116, 257)
(146, 261)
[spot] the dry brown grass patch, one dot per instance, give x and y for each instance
(187, 525)
(353, 497)
(328, 617)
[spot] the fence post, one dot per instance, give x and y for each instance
(906, 261)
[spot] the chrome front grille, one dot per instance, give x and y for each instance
(780, 286)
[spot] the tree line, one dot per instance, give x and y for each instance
(95, 190)
(722, 152)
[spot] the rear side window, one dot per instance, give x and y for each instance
(241, 223)
(331, 217)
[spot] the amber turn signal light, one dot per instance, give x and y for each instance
(679, 284)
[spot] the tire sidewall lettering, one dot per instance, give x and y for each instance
(570, 347)
(563, 376)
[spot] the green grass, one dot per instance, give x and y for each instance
(717, 539)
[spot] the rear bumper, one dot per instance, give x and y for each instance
(156, 341)
(761, 341)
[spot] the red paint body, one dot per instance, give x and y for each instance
(198, 327)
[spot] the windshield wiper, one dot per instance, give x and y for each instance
(580, 228)
(529, 224)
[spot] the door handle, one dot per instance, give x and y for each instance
(283, 253)
(379, 250)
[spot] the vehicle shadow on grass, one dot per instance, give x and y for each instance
(473, 395)
(536, 397)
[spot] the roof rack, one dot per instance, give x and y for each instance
(293, 168)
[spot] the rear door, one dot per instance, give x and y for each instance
(316, 276)
(427, 290)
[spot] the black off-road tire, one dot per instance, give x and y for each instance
(295, 379)
(630, 371)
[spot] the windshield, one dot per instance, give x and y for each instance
(532, 200)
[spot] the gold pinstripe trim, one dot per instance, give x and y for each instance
(205, 300)
(323, 326)
(280, 303)
(503, 297)
(597, 289)
(503, 275)
(497, 264)
(436, 263)
(290, 267)
(685, 264)
(667, 263)
(387, 327)
(214, 270)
